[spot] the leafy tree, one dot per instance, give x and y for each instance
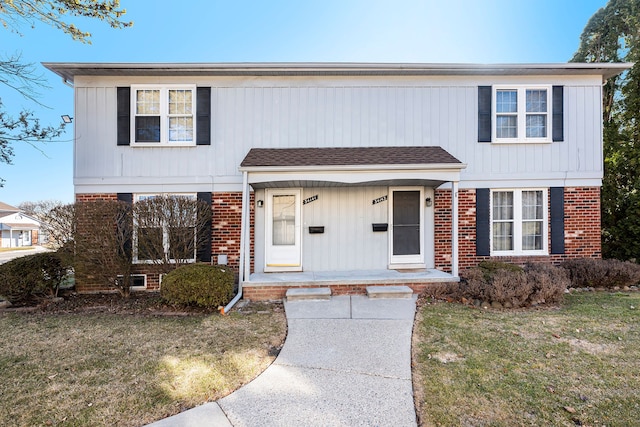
(22, 77)
(613, 35)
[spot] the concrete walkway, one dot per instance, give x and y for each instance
(346, 362)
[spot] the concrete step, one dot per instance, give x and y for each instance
(389, 292)
(300, 294)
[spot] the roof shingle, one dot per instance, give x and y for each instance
(347, 156)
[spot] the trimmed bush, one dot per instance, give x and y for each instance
(203, 285)
(34, 276)
(601, 273)
(512, 286)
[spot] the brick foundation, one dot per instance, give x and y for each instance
(267, 292)
(582, 237)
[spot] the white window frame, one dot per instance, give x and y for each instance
(521, 114)
(517, 223)
(164, 115)
(165, 230)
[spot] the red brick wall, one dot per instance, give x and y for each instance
(581, 229)
(225, 236)
(227, 219)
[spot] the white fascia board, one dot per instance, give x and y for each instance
(355, 168)
(354, 177)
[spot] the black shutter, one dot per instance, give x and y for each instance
(558, 113)
(203, 116)
(484, 113)
(556, 210)
(128, 228)
(482, 222)
(124, 115)
(204, 238)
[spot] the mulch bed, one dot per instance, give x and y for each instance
(139, 303)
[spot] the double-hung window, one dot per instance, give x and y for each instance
(165, 230)
(163, 115)
(522, 114)
(519, 222)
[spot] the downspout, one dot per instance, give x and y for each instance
(243, 233)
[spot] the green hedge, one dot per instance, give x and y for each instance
(203, 285)
(33, 276)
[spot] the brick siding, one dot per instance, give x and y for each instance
(581, 229)
(225, 237)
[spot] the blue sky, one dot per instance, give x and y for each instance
(468, 31)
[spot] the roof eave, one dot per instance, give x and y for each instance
(69, 70)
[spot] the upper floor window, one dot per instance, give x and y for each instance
(522, 114)
(519, 222)
(163, 114)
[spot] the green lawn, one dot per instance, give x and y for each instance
(575, 365)
(127, 370)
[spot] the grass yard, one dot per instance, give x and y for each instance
(575, 365)
(103, 369)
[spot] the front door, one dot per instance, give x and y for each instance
(283, 230)
(406, 238)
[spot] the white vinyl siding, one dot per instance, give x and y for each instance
(326, 112)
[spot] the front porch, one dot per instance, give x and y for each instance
(265, 286)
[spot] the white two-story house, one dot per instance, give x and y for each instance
(351, 174)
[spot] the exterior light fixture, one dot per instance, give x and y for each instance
(428, 202)
(66, 118)
(260, 203)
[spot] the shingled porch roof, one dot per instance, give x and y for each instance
(347, 156)
(335, 166)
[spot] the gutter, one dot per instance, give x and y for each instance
(243, 232)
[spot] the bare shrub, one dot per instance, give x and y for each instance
(170, 230)
(598, 273)
(509, 286)
(547, 283)
(474, 285)
(103, 243)
(443, 291)
(514, 286)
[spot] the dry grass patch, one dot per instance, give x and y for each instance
(575, 365)
(127, 370)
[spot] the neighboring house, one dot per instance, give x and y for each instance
(17, 228)
(352, 173)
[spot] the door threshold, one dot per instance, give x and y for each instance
(417, 266)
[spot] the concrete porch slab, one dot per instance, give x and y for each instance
(364, 277)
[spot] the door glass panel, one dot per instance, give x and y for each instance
(284, 220)
(406, 222)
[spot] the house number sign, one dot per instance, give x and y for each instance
(310, 199)
(379, 200)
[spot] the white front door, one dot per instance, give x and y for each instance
(406, 227)
(283, 230)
